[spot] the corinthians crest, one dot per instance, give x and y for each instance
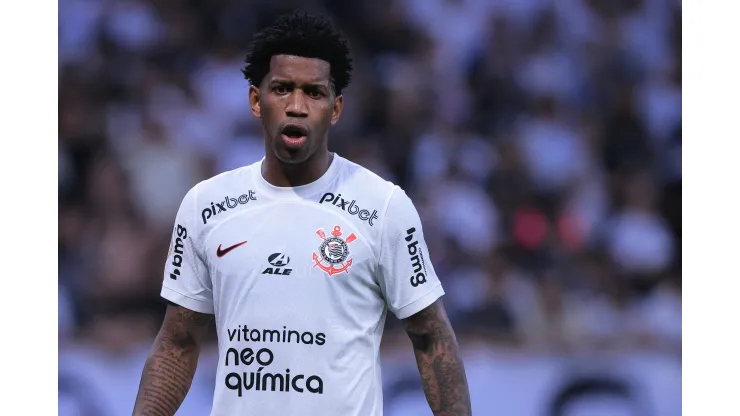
(333, 252)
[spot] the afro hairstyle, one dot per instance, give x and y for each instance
(300, 34)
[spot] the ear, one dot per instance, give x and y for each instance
(337, 111)
(254, 101)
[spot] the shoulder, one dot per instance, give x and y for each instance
(210, 199)
(361, 193)
(233, 183)
(368, 182)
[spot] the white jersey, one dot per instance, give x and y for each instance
(299, 280)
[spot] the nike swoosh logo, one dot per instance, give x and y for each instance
(220, 253)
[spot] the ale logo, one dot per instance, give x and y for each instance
(278, 261)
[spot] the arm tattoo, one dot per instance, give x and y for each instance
(438, 358)
(170, 368)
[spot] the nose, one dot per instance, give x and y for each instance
(297, 105)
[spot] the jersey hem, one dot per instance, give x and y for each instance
(421, 303)
(186, 301)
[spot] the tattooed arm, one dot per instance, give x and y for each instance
(439, 361)
(170, 368)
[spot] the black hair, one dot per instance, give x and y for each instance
(300, 34)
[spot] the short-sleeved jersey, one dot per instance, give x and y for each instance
(300, 280)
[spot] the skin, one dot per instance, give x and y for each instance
(439, 361)
(170, 367)
(298, 90)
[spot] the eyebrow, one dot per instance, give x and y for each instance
(280, 81)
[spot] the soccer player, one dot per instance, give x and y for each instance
(299, 257)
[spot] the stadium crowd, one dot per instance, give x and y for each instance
(539, 139)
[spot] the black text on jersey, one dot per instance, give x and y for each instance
(278, 261)
(350, 207)
(419, 276)
(179, 246)
(227, 204)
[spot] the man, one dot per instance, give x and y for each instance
(299, 257)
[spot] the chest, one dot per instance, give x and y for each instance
(303, 256)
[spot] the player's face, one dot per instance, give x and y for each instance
(297, 107)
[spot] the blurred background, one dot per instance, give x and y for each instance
(539, 139)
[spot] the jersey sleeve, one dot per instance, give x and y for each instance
(186, 279)
(407, 277)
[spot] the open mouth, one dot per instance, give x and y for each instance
(294, 131)
(294, 136)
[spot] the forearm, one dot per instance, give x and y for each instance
(443, 377)
(166, 379)
(171, 365)
(439, 361)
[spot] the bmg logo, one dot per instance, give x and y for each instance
(419, 276)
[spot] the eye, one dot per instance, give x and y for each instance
(314, 93)
(281, 89)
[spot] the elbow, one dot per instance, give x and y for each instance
(433, 341)
(422, 342)
(177, 341)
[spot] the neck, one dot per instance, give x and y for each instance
(282, 174)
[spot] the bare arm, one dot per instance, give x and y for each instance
(438, 358)
(170, 368)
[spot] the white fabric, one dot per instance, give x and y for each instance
(314, 322)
